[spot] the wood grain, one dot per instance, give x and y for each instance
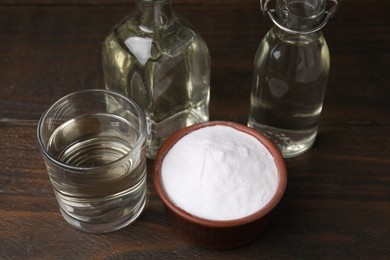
(337, 199)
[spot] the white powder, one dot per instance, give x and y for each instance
(219, 173)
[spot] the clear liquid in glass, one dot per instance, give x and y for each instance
(109, 192)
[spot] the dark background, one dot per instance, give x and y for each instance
(337, 200)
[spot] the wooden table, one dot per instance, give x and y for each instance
(337, 203)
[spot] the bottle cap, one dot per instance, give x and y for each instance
(328, 14)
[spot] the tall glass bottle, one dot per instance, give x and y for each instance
(157, 59)
(290, 75)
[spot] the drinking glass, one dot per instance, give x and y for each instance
(93, 146)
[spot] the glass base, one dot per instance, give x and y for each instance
(106, 227)
(291, 143)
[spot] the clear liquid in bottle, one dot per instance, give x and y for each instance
(288, 88)
(157, 60)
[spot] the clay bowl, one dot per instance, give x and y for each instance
(217, 234)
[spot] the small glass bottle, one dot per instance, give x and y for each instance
(159, 60)
(291, 70)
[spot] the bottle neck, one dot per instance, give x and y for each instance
(300, 15)
(153, 13)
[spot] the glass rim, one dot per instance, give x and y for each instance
(138, 145)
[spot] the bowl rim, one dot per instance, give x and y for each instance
(272, 149)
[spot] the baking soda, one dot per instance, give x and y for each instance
(219, 173)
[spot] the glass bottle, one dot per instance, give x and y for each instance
(156, 58)
(290, 75)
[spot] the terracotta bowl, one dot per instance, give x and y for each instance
(217, 234)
